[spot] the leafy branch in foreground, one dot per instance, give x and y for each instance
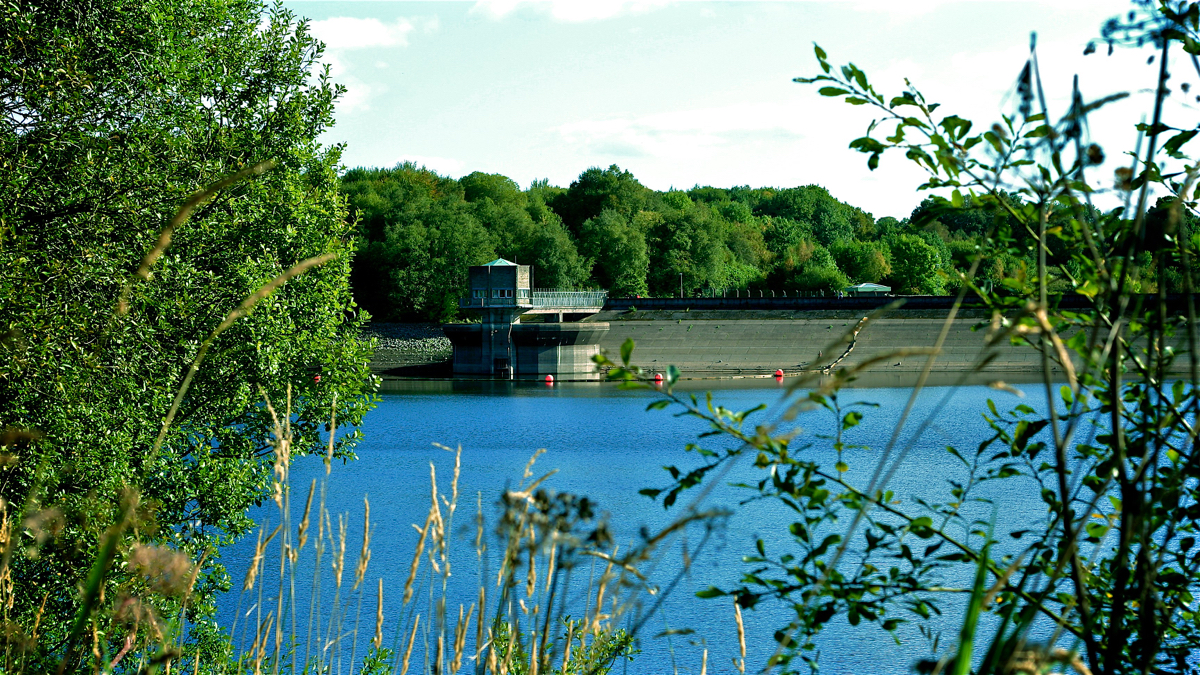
(1112, 562)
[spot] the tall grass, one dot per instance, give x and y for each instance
(534, 614)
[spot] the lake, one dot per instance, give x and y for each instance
(604, 444)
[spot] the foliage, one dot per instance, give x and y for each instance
(863, 261)
(100, 149)
(582, 657)
(596, 190)
(619, 250)
(1111, 564)
(915, 265)
(417, 236)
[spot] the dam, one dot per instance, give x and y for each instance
(500, 292)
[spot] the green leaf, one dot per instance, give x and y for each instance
(1175, 142)
(1038, 132)
(851, 420)
(710, 592)
(659, 405)
(819, 52)
(832, 91)
(672, 375)
(626, 350)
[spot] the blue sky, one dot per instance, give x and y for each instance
(686, 93)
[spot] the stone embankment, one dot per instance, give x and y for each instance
(402, 345)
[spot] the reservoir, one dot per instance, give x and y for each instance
(605, 444)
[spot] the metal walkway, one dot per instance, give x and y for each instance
(552, 301)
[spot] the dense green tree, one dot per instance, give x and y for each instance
(537, 195)
(619, 251)
(478, 186)
(915, 265)
(596, 190)
(687, 241)
(829, 219)
(887, 226)
(418, 236)
(862, 260)
(782, 235)
(114, 113)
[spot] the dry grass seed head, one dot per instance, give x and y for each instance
(601, 588)
(531, 578)
(741, 633)
(416, 561)
(491, 656)
(567, 650)
(167, 571)
(252, 572)
(364, 556)
(412, 639)
(332, 434)
(460, 637)
(43, 525)
(339, 553)
(302, 532)
(132, 612)
(378, 641)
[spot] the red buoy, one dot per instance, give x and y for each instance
(779, 372)
(317, 377)
(549, 379)
(658, 377)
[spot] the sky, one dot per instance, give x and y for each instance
(696, 93)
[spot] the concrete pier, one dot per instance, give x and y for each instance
(531, 349)
(501, 346)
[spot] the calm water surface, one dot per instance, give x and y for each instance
(605, 445)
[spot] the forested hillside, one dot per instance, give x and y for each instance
(418, 232)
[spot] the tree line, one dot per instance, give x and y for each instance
(418, 232)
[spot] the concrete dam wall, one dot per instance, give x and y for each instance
(744, 343)
(730, 346)
(747, 343)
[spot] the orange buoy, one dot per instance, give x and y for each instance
(317, 377)
(549, 379)
(779, 372)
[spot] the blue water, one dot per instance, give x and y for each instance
(605, 445)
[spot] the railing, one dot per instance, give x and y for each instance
(480, 303)
(552, 298)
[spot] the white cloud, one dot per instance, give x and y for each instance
(345, 32)
(684, 133)
(343, 35)
(570, 11)
(445, 166)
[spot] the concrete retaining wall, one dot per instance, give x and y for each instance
(728, 346)
(536, 349)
